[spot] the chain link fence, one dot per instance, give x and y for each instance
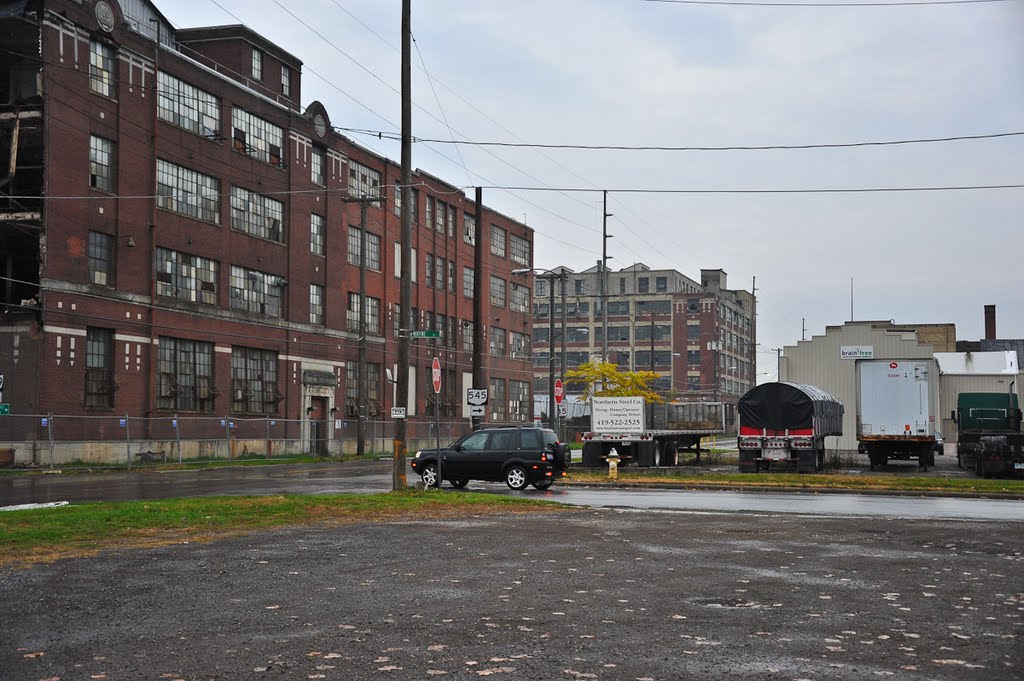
(51, 440)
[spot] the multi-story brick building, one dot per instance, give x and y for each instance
(699, 338)
(178, 236)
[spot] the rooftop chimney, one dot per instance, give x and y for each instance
(990, 322)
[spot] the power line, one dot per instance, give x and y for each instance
(764, 147)
(837, 190)
(906, 3)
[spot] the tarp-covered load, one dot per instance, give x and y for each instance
(791, 406)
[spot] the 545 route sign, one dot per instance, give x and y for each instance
(476, 397)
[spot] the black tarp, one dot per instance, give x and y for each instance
(779, 406)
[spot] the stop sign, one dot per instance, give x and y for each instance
(559, 391)
(435, 375)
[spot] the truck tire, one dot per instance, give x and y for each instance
(646, 453)
(593, 454)
(669, 454)
(747, 464)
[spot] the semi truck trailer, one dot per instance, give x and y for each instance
(896, 410)
(786, 423)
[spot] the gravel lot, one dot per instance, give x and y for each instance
(583, 594)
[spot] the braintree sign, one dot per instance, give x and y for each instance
(857, 352)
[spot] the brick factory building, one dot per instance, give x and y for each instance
(177, 237)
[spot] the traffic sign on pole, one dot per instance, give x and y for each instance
(559, 391)
(435, 375)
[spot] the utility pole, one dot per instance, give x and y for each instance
(361, 389)
(604, 277)
(479, 379)
(398, 481)
(650, 424)
(551, 353)
(562, 279)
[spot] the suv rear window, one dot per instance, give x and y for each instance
(549, 437)
(531, 439)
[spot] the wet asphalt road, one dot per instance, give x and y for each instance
(584, 594)
(375, 476)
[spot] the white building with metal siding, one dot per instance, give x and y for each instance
(829, 362)
(974, 372)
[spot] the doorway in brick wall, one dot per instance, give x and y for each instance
(319, 428)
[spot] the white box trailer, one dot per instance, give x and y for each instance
(896, 410)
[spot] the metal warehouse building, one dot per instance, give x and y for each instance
(829, 361)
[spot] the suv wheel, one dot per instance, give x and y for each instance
(515, 477)
(459, 483)
(429, 475)
(543, 484)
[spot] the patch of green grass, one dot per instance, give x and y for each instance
(42, 535)
(835, 481)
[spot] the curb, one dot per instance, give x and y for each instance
(797, 490)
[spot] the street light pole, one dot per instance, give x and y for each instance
(651, 424)
(551, 353)
(561, 373)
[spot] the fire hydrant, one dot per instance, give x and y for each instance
(613, 464)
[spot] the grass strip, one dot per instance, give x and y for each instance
(834, 481)
(44, 535)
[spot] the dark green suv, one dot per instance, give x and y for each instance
(519, 456)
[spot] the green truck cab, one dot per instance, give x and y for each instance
(989, 440)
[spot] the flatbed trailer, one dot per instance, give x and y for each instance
(689, 423)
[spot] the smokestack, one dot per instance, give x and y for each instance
(990, 322)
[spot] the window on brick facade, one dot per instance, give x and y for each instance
(643, 285)
(363, 182)
(519, 345)
(101, 68)
(519, 250)
(618, 308)
(498, 341)
(257, 64)
(428, 279)
(316, 234)
(496, 399)
(187, 192)
(370, 389)
(188, 107)
(468, 281)
(316, 304)
(469, 229)
(372, 249)
(451, 221)
(99, 368)
(256, 292)
(467, 335)
(439, 270)
(257, 215)
(498, 286)
(398, 263)
(101, 163)
(101, 259)
(693, 332)
(519, 299)
(254, 381)
(440, 215)
(256, 137)
(316, 163)
(372, 314)
(661, 284)
(519, 406)
(451, 276)
(286, 81)
(498, 237)
(693, 357)
(185, 375)
(186, 277)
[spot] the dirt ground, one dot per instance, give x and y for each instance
(585, 594)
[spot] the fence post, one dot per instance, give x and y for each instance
(49, 435)
(177, 436)
(128, 441)
(227, 436)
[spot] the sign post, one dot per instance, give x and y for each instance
(435, 377)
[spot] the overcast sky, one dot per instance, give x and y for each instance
(632, 73)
